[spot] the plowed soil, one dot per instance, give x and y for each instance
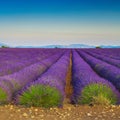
(68, 112)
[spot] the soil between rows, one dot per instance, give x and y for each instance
(68, 112)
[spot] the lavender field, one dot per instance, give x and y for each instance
(38, 77)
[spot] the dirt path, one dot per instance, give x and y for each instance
(68, 112)
(68, 88)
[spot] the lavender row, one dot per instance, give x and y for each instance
(54, 79)
(10, 84)
(105, 70)
(83, 76)
(21, 55)
(104, 58)
(111, 53)
(11, 66)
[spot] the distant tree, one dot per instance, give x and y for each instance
(3, 46)
(98, 47)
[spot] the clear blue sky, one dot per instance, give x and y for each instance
(42, 22)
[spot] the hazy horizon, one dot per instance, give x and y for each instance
(64, 22)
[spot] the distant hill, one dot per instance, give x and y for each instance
(109, 46)
(60, 46)
(80, 46)
(70, 46)
(65, 46)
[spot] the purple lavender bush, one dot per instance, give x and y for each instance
(10, 84)
(88, 87)
(113, 53)
(49, 89)
(14, 60)
(105, 70)
(105, 58)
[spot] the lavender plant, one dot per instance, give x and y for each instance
(10, 84)
(105, 70)
(49, 89)
(88, 87)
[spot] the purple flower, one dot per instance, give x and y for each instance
(83, 75)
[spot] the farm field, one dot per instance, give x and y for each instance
(80, 84)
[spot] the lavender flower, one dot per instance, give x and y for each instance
(84, 76)
(52, 80)
(26, 75)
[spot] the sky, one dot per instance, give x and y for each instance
(46, 22)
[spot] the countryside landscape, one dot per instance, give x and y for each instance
(58, 80)
(59, 60)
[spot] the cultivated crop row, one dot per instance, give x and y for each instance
(10, 84)
(37, 77)
(105, 70)
(88, 86)
(49, 88)
(107, 59)
(13, 61)
(110, 53)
